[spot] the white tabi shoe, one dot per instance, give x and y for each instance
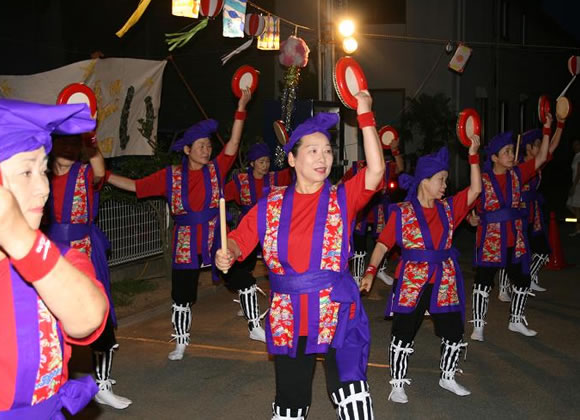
(398, 395)
(258, 334)
(504, 296)
(177, 354)
(107, 397)
(388, 280)
(477, 334)
(521, 328)
(536, 287)
(453, 386)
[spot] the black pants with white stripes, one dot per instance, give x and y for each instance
(294, 377)
(447, 325)
(485, 275)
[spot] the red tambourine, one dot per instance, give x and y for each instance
(349, 79)
(468, 124)
(387, 134)
(78, 93)
(543, 108)
(563, 108)
(245, 77)
(281, 133)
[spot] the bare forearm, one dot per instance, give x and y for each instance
(123, 183)
(374, 157)
(378, 254)
(555, 141)
(98, 165)
(400, 163)
(234, 249)
(543, 153)
(233, 144)
(475, 186)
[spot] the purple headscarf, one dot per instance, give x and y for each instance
(427, 166)
(320, 123)
(27, 126)
(257, 151)
(495, 145)
(202, 130)
(529, 137)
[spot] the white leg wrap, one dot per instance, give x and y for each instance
(358, 266)
(181, 320)
(450, 353)
(399, 362)
(249, 305)
(518, 304)
(279, 413)
(354, 402)
(480, 301)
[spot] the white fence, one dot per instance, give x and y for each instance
(135, 231)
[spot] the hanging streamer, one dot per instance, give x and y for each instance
(270, 39)
(143, 4)
(179, 39)
(234, 18)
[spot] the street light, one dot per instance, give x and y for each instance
(346, 28)
(349, 45)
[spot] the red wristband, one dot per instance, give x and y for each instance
(240, 115)
(371, 269)
(366, 120)
(395, 152)
(560, 124)
(39, 261)
(474, 159)
(546, 131)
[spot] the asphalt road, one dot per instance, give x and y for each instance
(225, 375)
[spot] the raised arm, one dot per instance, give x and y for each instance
(475, 171)
(543, 153)
(376, 258)
(234, 143)
(95, 157)
(122, 182)
(397, 155)
(556, 137)
(68, 293)
(372, 146)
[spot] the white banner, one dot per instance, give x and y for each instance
(128, 95)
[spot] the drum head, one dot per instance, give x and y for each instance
(245, 77)
(563, 108)
(387, 134)
(468, 124)
(78, 93)
(349, 79)
(280, 132)
(543, 108)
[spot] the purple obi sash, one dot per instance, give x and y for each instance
(429, 255)
(74, 395)
(501, 215)
(196, 217)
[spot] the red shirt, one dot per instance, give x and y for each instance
(231, 191)
(58, 189)
(460, 210)
(155, 185)
(527, 171)
(301, 228)
(9, 353)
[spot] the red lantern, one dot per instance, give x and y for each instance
(254, 25)
(210, 8)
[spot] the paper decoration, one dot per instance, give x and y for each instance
(185, 8)
(294, 52)
(234, 18)
(134, 18)
(573, 66)
(210, 8)
(460, 58)
(270, 39)
(254, 25)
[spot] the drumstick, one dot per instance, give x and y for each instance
(223, 232)
(517, 148)
(566, 88)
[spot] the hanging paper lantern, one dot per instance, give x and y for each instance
(210, 8)
(294, 52)
(270, 38)
(185, 8)
(255, 24)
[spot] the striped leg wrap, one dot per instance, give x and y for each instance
(358, 266)
(504, 281)
(279, 413)
(103, 362)
(353, 402)
(538, 261)
(384, 265)
(518, 304)
(480, 301)
(249, 305)
(181, 320)
(399, 362)
(450, 353)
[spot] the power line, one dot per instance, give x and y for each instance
(289, 22)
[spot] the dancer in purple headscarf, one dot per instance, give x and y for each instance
(428, 275)
(304, 230)
(192, 190)
(246, 188)
(49, 296)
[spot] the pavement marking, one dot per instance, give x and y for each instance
(227, 349)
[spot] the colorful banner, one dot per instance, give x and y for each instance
(185, 8)
(270, 39)
(234, 18)
(128, 95)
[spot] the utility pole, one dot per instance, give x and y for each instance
(326, 54)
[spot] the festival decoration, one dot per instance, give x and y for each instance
(254, 26)
(234, 17)
(207, 8)
(294, 55)
(210, 8)
(459, 59)
(270, 38)
(134, 18)
(185, 8)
